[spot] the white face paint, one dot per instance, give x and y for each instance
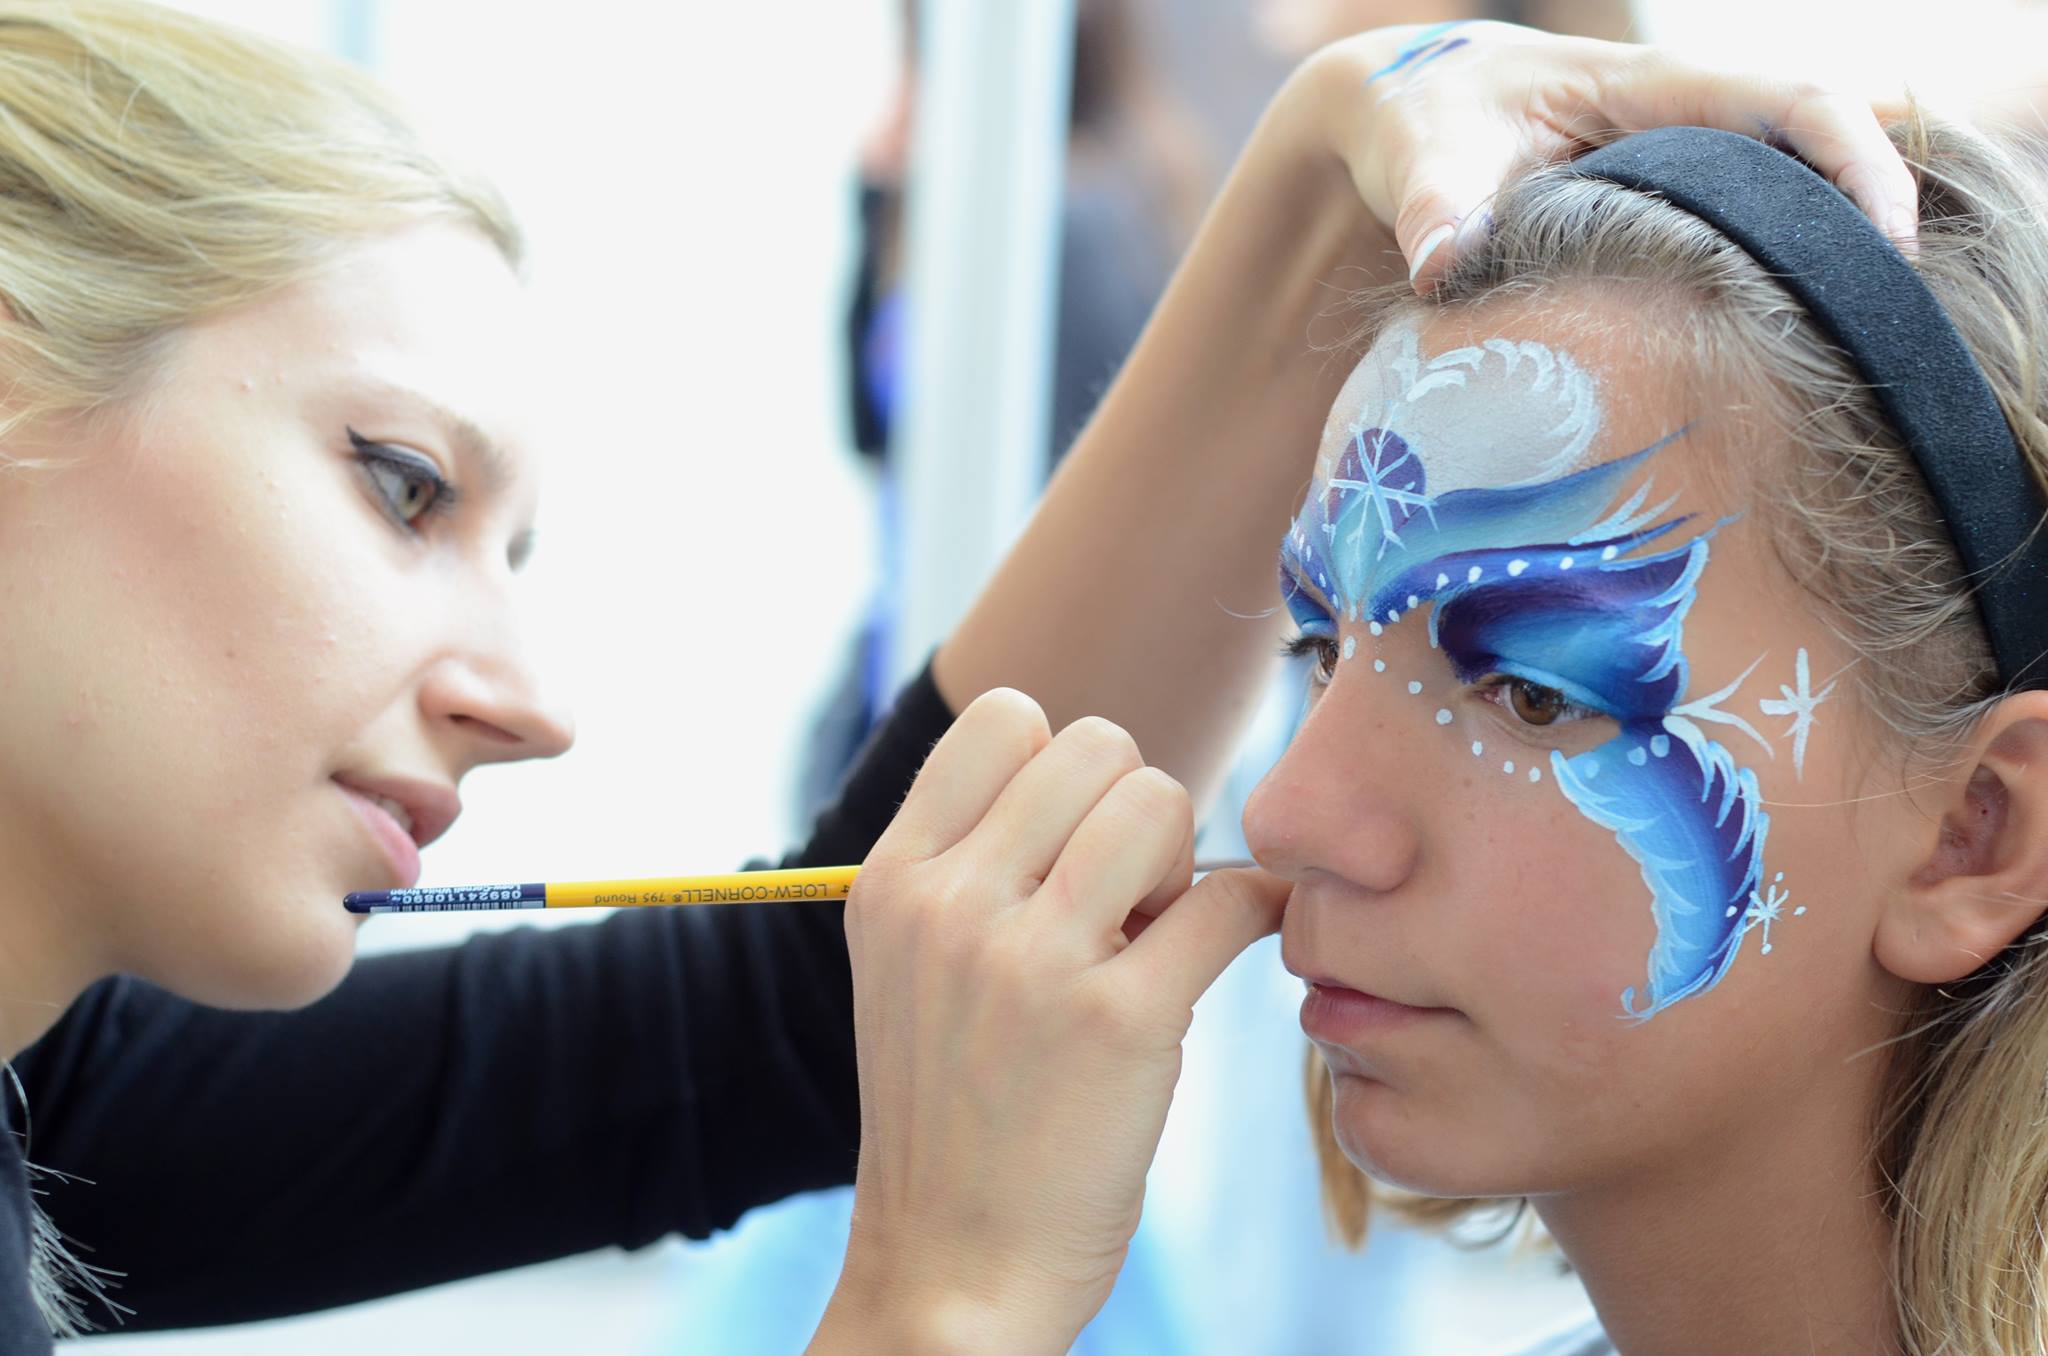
(1500, 413)
(1798, 702)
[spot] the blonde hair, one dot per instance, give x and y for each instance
(1959, 1139)
(157, 169)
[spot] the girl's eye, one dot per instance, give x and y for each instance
(409, 485)
(1532, 703)
(1535, 705)
(1323, 649)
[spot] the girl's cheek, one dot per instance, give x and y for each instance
(1579, 913)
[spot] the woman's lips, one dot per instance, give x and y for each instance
(399, 849)
(1342, 1016)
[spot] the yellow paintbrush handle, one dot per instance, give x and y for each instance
(733, 887)
(737, 887)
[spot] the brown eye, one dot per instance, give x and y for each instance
(1535, 705)
(1323, 649)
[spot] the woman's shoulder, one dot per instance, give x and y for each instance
(1581, 1339)
(22, 1327)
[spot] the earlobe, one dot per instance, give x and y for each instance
(1984, 879)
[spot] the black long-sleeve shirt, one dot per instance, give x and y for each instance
(446, 1113)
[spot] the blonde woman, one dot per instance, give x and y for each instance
(267, 481)
(1666, 840)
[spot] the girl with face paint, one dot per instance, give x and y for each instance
(1568, 689)
(1750, 962)
(266, 476)
(1664, 851)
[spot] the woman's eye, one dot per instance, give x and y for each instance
(1323, 649)
(1533, 703)
(409, 485)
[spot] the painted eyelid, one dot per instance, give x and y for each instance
(1316, 626)
(1308, 614)
(1472, 663)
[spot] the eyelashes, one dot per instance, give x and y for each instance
(1533, 704)
(1318, 646)
(409, 487)
(1528, 704)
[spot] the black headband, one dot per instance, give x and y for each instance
(1871, 302)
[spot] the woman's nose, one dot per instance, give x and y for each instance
(495, 709)
(1337, 804)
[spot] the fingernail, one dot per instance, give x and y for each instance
(1428, 247)
(1476, 226)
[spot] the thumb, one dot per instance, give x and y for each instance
(1183, 950)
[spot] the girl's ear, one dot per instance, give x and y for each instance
(1984, 879)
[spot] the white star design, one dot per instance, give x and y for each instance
(1799, 705)
(1767, 908)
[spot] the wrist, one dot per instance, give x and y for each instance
(1293, 214)
(910, 1311)
(1340, 110)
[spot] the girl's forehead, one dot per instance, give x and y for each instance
(1480, 411)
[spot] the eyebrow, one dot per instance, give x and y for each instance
(471, 443)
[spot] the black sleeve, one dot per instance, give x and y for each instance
(446, 1113)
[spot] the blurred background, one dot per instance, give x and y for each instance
(837, 283)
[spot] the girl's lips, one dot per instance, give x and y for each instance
(399, 849)
(1342, 1016)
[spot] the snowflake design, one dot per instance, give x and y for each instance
(1374, 474)
(1799, 704)
(1767, 908)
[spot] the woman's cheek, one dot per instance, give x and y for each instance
(1574, 926)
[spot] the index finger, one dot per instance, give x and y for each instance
(1185, 948)
(1840, 136)
(1837, 133)
(989, 743)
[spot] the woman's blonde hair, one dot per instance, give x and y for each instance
(1959, 1140)
(157, 169)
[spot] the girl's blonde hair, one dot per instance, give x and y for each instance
(157, 169)
(1959, 1140)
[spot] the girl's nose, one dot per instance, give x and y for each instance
(1337, 803)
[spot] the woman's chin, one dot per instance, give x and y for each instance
(261, 961)
(1387, 1137)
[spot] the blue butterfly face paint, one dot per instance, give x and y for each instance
(1461, 483)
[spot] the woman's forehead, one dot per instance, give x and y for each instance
(1488, 402)
(427, 321)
